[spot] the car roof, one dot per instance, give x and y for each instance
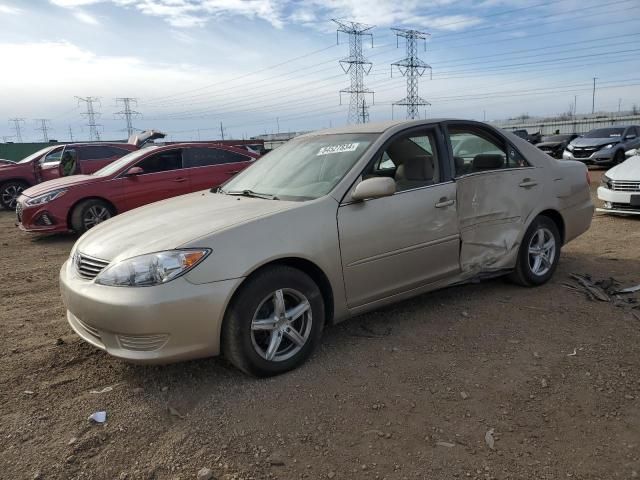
(96, 144)
(377, 127)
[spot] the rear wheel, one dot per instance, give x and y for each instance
(89, 213)
(539, 253)
(9, 193)
(274, 322)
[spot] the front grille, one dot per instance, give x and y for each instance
(89, 267)
(624, 206)
(624, 186)
(19, 209)
(143, 343)
(584, 152)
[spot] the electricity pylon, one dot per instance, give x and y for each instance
(44, 128)
(127, 113)
(413, 68)
(357, 66)
(91, 115)
(16, 128)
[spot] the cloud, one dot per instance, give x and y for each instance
(9, 10)
(85, 17)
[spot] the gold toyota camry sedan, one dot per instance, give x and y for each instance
(330, 225)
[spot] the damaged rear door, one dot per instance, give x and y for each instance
(496, 192)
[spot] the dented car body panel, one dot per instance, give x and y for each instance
(459, 212)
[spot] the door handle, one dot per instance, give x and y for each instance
(527, 183)
(180, 179)
(444, 203)
(233, 172)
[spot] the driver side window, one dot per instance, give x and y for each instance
(161, 162)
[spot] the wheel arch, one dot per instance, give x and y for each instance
(304, 265)
(556, 217)
(84, 199)
(16, 179)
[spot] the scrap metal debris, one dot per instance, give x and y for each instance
(606, 290)
(489, 440)
(98, 417)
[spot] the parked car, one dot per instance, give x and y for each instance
(603, 146)
(329, 225)
(43, 165)
(529, 137)
(80, 202)
(620, 186)
(4, 161)
(554, 145)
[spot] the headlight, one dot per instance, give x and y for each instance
(610, 145)
(46, 197)
(570, 147)
(151, 269)
(605, 182)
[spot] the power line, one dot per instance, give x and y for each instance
(127, 113)
(16, 128)
(91, 115)
(44, 128)
(411, 67)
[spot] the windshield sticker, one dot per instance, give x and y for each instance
(345, 147)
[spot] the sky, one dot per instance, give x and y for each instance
(267, 66)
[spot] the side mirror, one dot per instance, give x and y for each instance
(133, 171)
(374, 188)
(632, 153)
(630, 137)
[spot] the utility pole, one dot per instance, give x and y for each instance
(413, 68)
(278, 124)
(575, 105)
(221, 132)
(91, 115)
(16, 128)
(357, 66)
(70, 133)
(593, 98)
(43, 122)
(127, 113)
(619, 104)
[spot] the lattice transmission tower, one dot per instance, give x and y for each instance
(357, 66)
(127, 113)
(17, 128)
(91, 115)
(44, 128)
(411, 67)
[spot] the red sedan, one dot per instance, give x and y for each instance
(80, 202)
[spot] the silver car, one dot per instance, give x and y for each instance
(330, 225)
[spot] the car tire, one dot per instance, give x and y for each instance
(619, 157)
(9, 193)
(267, 333)
(539, 253)
(89, 213)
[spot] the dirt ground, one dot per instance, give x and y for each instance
(408, 392)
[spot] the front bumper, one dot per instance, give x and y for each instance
(617, 202)
(41, 218)
(600, 157)
(161, 324)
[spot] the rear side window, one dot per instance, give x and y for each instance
(95, 153)
(203, 157)
(475, 150)
(119, 152)
(161, 162)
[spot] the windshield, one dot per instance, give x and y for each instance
(33, 156)
(121, 162)
(556, 138)
(303, 168)
(605, 133)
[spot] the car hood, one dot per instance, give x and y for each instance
(628, 170)
(594, 142)
(549, 144)
(173, 223)
(57, 183)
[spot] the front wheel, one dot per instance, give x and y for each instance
(9, 193)
(274, 322)
(89, 213)
(539, 253)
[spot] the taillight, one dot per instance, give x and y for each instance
(588, 178)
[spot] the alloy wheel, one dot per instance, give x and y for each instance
(542, 251)
(281, 325)
(10, 195)
(96, 214)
